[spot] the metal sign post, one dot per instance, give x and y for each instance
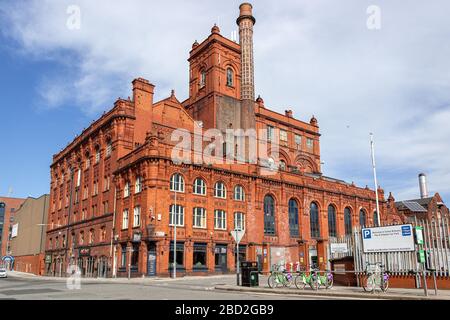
(237, 235)
(418, 237)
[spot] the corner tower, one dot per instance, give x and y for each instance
(214, 77)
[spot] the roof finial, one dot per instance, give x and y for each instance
(215, 29)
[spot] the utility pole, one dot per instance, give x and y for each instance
(237, 262)
(372, 147)
(130, 250)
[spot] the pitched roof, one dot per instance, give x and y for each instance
(411, 205)
(423, 202)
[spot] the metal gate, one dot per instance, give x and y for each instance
(436, 243)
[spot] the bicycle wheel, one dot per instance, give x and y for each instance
(384, 284)
(330, 281)
(314, 282)
(364, 283)
(300, 282)
(369, 285)
(272, 281)
(288, 280)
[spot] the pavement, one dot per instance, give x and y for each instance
(20, 285)
(345, 292)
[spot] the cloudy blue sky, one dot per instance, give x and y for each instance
(314, 57)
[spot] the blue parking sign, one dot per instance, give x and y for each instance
(367, 234)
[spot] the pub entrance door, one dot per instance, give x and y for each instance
(220, 258)
(151, 260)
(313, 261)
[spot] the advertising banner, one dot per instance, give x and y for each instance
(14, 230)
(388, 239)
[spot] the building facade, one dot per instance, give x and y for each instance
(130, 160)
(426, 208)
(430, 208)
(27, 244)
(7, 208)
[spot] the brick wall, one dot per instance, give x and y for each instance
(30, 264)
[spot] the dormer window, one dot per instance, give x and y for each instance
(202, 78)
(230, 77)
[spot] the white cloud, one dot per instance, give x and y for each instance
(315, 57)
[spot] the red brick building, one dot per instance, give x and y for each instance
(7, 208)
(27, 242)
(116, 191)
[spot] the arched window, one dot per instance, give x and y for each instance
(91, 236)
(138, 185)
(332, 221)
(88, 160)
(269, 215)
(126, 190)
(314, 220)
(177, 183)
(220, 190)
(375, 219)
(200, 186)
(230, 76)
(125, 219)
(362, 218)
(202, 78)
(348, 221)
(81, 238)
(108, 147)
(293, 218)
(97, 154)
(239, 194)
(282, 165)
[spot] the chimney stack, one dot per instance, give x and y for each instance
(423, 186)
(246, 21)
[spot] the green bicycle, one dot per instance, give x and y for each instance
(279, 278)
(314, 279)
(304, 279)
(325, 280)
(375, 276)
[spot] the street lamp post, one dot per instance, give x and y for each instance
(130, 250)
(175, 236)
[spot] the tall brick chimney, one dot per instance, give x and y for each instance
(143, 108)
(143, 93)
(246, 21)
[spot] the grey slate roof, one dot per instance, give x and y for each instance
(412, 205)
